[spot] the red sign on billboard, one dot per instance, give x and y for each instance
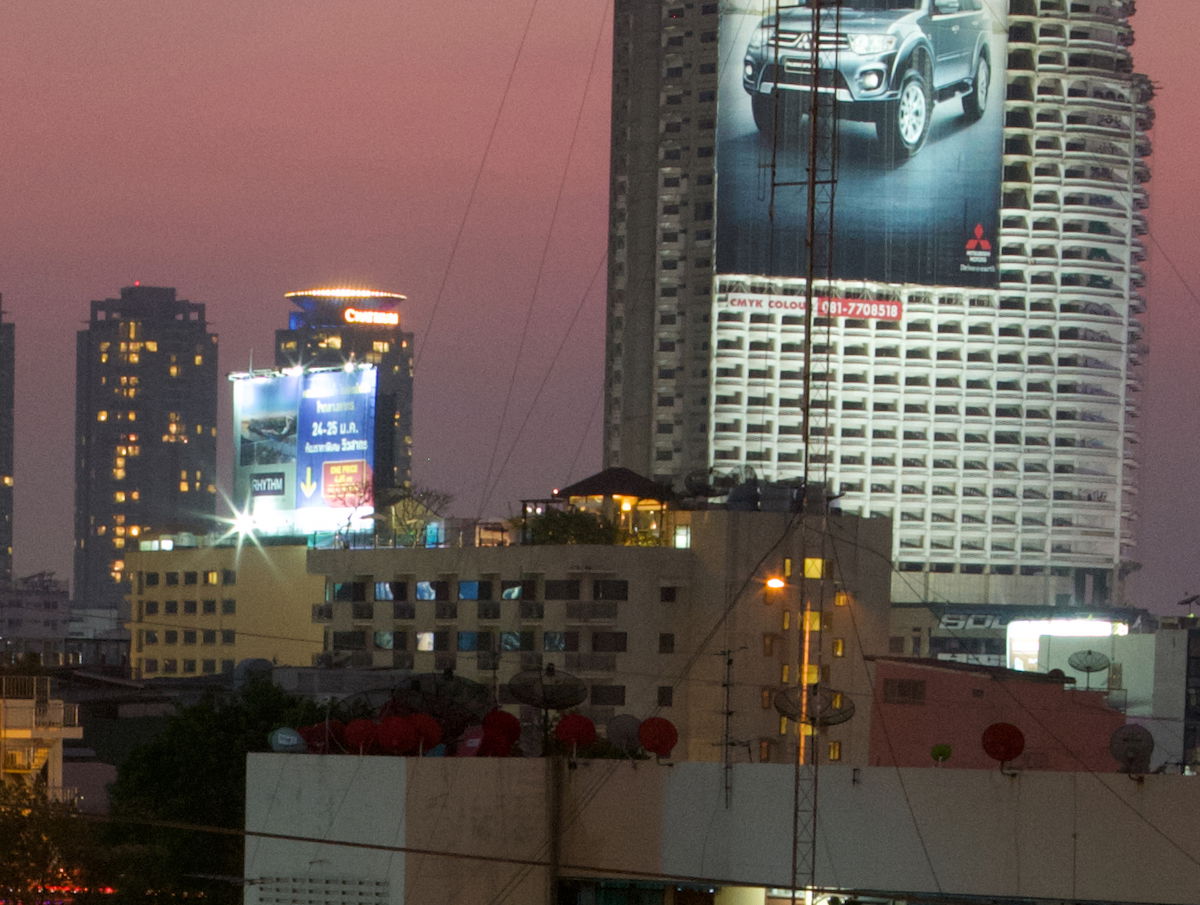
(346, 484)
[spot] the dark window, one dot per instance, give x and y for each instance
(608, 695)
(474, 641)
(190, 578)
(666, 643)
(433, 590)
(362, 611)
(517, 641)
(151, 607)
(210, 607)
(189, 636)
(349, 640)
(172, 578)
(562, 589)
(609, 642)
(228, 576)
(151, 579)
(904, 691)
(531, 609)
(474, 590)
(524, 589)
(210, 636)
(667, 595)
(228, 607)
(609, 589)
(403, 610)
(391, 590)
(553, 642)
(666, 695)
(228, 636)
(487, 609)
(189, 607)
(171, 607)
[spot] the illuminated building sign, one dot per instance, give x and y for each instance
(367, 316)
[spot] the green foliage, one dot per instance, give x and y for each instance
(570, 526)
(194, 772)
(42, 841)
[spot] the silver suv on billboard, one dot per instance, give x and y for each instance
(886, 61)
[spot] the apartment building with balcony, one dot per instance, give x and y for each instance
(33, 726)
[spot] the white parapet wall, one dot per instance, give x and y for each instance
(393, 830)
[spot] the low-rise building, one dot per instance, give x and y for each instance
(198, 608)
(33, 726)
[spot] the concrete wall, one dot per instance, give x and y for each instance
(463, 832)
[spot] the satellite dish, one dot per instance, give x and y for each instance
(940, 753)
(550, 689)
(1131, 746)
(288, 741)
(454, 702)
(1003, 742)
(622, 732)
(1088, 662)
(825, 706)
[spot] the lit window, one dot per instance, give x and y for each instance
(839, 647)
(101, 416)
(119, 496)
(173, 370)
(183, 486)
(199, 360)
(783, 725)
(835, 750)
(785, 674)
(841, 598)
(814, 567)
(787, 619)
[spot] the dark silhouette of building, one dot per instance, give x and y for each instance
(145, 431)
(335, 326)
(7, 354)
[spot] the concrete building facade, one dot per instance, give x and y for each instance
(689, 631)
(200, 609)
(996, 427)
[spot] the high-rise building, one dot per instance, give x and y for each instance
(973, 241)
(7, 375)
(145, 432)
(336, 326)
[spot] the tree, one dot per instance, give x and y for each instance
(570, 526)
(194, 772)
(43, 841)
(408, 511)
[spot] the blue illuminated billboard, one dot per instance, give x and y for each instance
(305, 456)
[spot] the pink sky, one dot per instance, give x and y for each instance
(239, 150)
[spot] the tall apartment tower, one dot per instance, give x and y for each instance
(145, 431)
(337, 326)
(7, 374)
(976, 344)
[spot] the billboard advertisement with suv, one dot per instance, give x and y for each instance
(305, 449)
(914, 91)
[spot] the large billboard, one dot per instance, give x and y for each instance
(305, 449)
(917, 93)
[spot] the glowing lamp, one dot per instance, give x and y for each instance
(776, 584)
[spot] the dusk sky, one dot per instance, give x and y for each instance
(454, 151)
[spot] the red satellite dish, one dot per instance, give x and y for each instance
(575, 729)
(361, 736)
(658, 736)
(397, 735)
(1003, 742)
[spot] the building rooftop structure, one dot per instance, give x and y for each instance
(33, 725)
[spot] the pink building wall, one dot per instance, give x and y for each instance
(1064, 729)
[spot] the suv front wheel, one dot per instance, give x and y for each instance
(975, 101)
(904, 123)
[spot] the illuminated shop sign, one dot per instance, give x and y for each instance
(368, 316)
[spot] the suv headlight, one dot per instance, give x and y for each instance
(868, 45)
